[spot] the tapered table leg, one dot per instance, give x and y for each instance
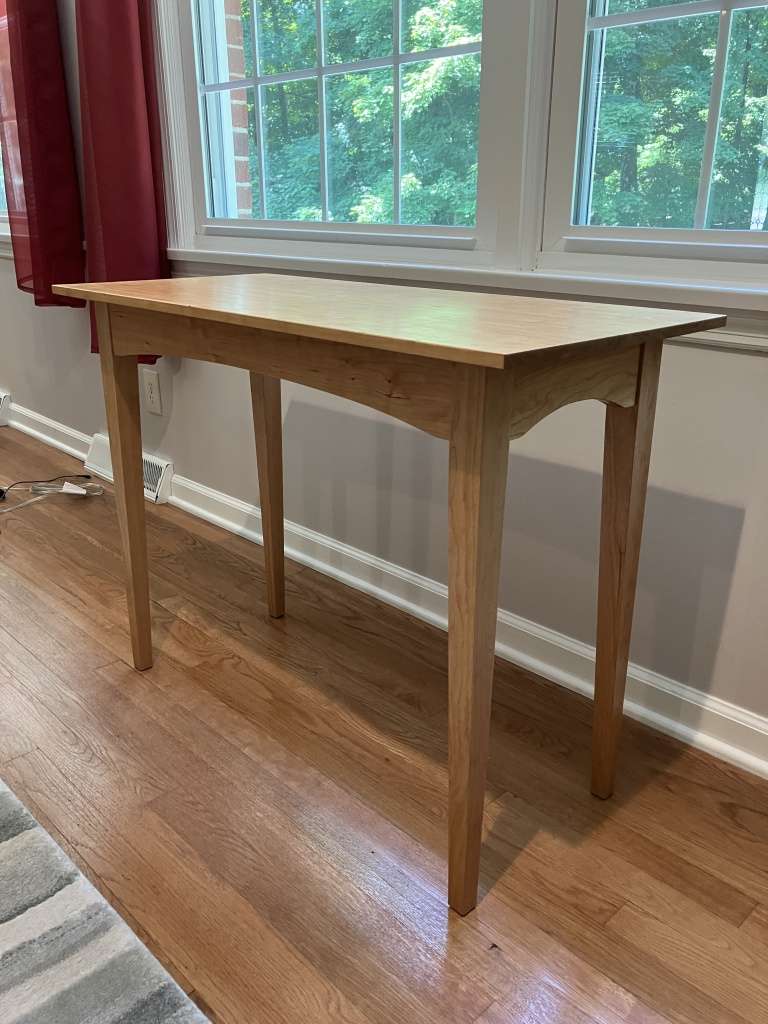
(628, 436)
(478, 473)
(121, 395)
(268, 428)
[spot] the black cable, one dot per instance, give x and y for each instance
(53, 480)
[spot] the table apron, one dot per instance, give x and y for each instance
(414, 389)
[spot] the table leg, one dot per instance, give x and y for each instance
(268, 427)
(478, 473)
(121, 395)
(628, 436)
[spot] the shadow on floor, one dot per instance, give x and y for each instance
(387, 496)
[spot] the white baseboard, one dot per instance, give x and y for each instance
(73, 442)
(707, 723)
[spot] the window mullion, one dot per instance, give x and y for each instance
(397, 128)
(259, 110)
(321, 110)
(713, 117)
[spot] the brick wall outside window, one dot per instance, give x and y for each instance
(239, 108)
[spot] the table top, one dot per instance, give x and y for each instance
(471, 327)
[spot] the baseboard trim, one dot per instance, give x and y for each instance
(716, 726)
(73, 442)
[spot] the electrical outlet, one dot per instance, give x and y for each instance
(153, 399)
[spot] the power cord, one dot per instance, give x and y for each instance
(33, 483)
(45, 488)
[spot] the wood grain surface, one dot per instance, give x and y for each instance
(481, 328)
(266, 805)
(626, 461)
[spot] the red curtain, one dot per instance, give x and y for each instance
(123, 164)
(122, 149)
(38, 153)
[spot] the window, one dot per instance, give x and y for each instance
(666, 142)
(348, 112)
(616, 148)
(675, 116)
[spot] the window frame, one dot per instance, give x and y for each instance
(320, 72)
(179, 46)
(728, 255)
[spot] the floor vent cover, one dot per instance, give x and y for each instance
(158, 471)
(5, 408)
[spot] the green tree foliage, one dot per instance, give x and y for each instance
(653, 101)
(740, 187)
(654, 95)
(656, 84)
(439, 112)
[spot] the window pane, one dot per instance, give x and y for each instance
(440, 109)
(357, 29)
(431, 23)
(226, 40)
(263, 138)
(652, 93)
(292, 151)
(739, 198)
(360, 167)
(233, 161)
(287, 35)
(627, 6)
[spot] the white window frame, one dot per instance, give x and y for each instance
(527, 143)
(193, 230)
(709, 257)
(457, 237)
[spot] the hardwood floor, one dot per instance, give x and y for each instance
(267, 805)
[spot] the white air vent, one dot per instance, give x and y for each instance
(158, 471)
(5, 408)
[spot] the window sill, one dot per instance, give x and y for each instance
(748, 296)
(340, 234)
(718, 252)
(6, 247)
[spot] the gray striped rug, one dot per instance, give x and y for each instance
(65, 955)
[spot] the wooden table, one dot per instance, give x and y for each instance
(476, 369)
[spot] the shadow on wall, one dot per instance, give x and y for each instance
(382, 487)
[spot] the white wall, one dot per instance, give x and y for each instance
(44, 358)
(381, 487)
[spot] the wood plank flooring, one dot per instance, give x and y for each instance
(267, 805)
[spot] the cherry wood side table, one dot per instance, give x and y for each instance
(476, 369)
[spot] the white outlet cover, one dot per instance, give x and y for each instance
(153, 398)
